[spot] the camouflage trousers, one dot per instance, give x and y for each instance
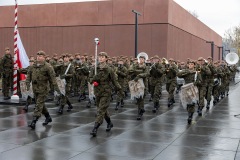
(140, 103)
(170, 87)
(64, 99)
(156, 91)
(40, 107)
(209, 92)
(120, 95)
(202, 93)
(190, 108)
(6, 83)
(216, 91)
(83, 84)
(102, 106)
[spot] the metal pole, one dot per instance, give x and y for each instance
(212, 50)
(222, 52)
(136, 35)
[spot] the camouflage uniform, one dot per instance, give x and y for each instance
(189, 77)
(41, 74)
(216, 89)
(68, 77)
(7, 74)
(121, 74)
(82, 72)
(210, 84)
(171, 82)
(139, 71)
(156, 72)
(102, 90)
(201, 83)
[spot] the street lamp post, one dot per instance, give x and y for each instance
(228, 50)
(220, 53)
(212, 47)
(136, 31)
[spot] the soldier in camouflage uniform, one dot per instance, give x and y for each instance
(61, 70)
(82, 73)
(121, 72)
(41, 74)
(189, 77)
(136, 72)
(217, 80)
(156, 72)
(225, 79)
(210, 81)
(201, 83)
(171, 80)
(102, 90)
(76, 78)
(7, 73)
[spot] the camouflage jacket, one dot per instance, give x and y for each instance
(61, 69)
(187, 74)
(105, 77)
(171, 73)
(41, 75)
(7, 64)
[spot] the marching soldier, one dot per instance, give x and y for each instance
(156, 72)
(7, 73)
(217, 82)
(201, 82)
(121, 72)
(189, 77)
(210, 81)
(171, 80)
(137, 71)
(66, 72)
(41, 74)
(102, 90)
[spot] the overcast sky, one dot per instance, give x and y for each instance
(219, 15)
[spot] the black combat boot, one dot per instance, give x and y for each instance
(122, 103)
(58, 101)
(94, 131)
(47, 120)
(109, 124)
(190, 115)
(26, 107)
(117, 105)
(200, 112)
(140, 114)
(33, 123)
(156, 106)
(170, 103)
(208, 105)
(150, 99)
(60, 110)
(70, 107)
(126, 94)
(88, 104)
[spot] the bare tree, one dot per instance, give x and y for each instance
(232, 38)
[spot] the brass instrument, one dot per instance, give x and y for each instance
(232, 58)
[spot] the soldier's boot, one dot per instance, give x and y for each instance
(117, 105)
(200, 112)
(227, 94)
(109, 124)
(95, 128)
(125, 93)
(47, 120)
(32, 125)
(58, 101)
(26, 107)
(60, 110)
(190, 115)
(6, 97)
(208, 105)
(111, 97)
(150, 99)
(170, 103)
(70, 107)
(222, 95)
(88, 104)
(94, 99)
(83, 96)
(122, 103)
(156, 106)
(140, 114)
(173, 100)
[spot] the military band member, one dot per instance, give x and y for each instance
(41, 74)
(189, 77)
(102, 90)
(217, 82)
(137, 71)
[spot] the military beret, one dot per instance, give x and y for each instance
(200, 59)
(41, 53)
(66, 55)
(31, 60)
(170, 59)
(142, 57)
(191, 61)
(155, 57)
(103, 54)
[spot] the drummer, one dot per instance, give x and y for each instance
(188, 75)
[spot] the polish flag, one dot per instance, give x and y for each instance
(22, 58)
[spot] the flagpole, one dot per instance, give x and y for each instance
(15, 96)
